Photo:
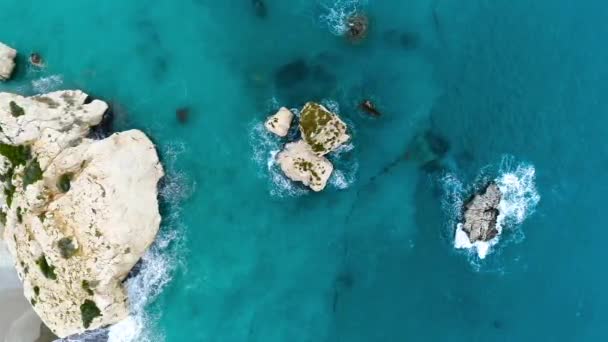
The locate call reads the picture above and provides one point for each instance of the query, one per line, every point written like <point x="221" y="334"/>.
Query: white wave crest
<point x="519" y="195"/>
<point x="335" y="15"/>
<point x="47" y="84"/>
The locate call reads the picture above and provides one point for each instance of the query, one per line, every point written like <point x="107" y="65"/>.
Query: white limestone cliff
<point x="78" y="213"/>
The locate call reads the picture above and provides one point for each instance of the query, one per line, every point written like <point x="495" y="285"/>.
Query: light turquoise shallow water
<point x="245" y="256"/>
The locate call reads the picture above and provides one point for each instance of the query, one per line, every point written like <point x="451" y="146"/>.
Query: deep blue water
<point x="245" y="256"/>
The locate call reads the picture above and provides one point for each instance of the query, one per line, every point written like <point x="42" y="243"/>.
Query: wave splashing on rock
<point x="519" y="198"/>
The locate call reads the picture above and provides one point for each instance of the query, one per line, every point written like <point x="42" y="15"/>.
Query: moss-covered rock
<point x="322" y="130"/>
<point x="89" y="311"/>
<point x="16" y="110"/>
<point x="47" y="270"/>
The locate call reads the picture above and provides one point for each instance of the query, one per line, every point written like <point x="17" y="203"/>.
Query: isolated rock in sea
<point x="321" y="129"/>
<point x="301" y="164"/>
<point x="7" y="61"/>
<point x="280" y="122"/>
<point x="76" y="213"/>
<point x="357" y="27"/>
<point x="481" y="214"/>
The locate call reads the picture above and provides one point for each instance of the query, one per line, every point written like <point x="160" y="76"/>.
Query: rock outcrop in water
<point x="357" y="27"/>
<point x="280" y="122"/>
<point x="322" y="132"/>
<point x="76" y="214"/>
<point x="7" y="61"/>
<point x="322" y="129"/>
<point x="481" y="214"/>
<point x="301" y="164"/>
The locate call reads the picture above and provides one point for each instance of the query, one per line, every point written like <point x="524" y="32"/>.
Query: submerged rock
<point x="301" y="164"/>
<point x="369" y="107"/>
<point x="182" y="114"/>
<point x="280" y="122"/>
<point x="481" y="214"/>
<point x="7" y="61"/>
<point x="357" y="27"/>
<point x="77" y="214"/>
<point x="292" y="73"/>
<point x="428" y="149"/>
<point x="259" y="8"/>
<point x="321" y="129"/>
<point x="36" y="60"/>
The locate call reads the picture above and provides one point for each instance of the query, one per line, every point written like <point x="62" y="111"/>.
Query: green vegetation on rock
<point x="32" y="173"/>
<point x="89" y="311"/>
<point x="16" y="110"/>
<point x="66" y="247"/>
<point x="19" y="215"/>
<point x="87" y="287"/>
<point x="16" y="155"/>
<point x="64" y="182"/>
<point x="47" y="270"/>
<point x="36" y="290"/>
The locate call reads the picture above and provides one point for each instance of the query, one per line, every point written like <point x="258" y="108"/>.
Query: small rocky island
<point x="75" y="213"/>
<point x="480" y="224"/>
<point x="321" y="133"/>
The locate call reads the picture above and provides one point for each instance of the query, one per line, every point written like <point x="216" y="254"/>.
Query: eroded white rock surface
<point x="7" y="61"/>
<point x="301" y="164"/>
<point x="280" y="122"/>
<point x="79" y="213"/>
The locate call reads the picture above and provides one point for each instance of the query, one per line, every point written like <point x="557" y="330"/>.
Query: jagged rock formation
<point x="76" y="214"/>
<point x="7" y="61"/>
<point x="481" y="214"/>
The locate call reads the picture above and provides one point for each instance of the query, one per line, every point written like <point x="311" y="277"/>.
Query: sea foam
<point x="335" y="14"/>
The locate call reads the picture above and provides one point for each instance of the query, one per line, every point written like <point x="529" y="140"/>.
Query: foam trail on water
<point x="265" y="147"/>
<point x="335" y="15"/>
<point x="47" y="84"/>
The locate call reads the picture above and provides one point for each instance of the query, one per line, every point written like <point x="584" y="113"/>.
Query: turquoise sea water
<point x="512" y="86"/>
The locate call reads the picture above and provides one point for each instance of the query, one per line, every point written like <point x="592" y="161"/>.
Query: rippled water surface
<point x="506" y="87"/>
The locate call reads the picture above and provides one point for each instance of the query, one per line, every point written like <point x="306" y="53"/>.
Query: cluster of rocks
<point x="321" y="133"/>
<point x="76" y="214"/>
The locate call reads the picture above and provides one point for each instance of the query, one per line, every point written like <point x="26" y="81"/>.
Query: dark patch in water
<point x="292" y="73"/>
<point x="182" y="114"/>
<point x="405" y="40"/>
<point x="497" y="324"/>
<point x="300" y="81"/>
<point x="259" y="8"/>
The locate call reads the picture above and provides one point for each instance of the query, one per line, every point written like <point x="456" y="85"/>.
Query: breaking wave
<point x="335" y="14"/>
